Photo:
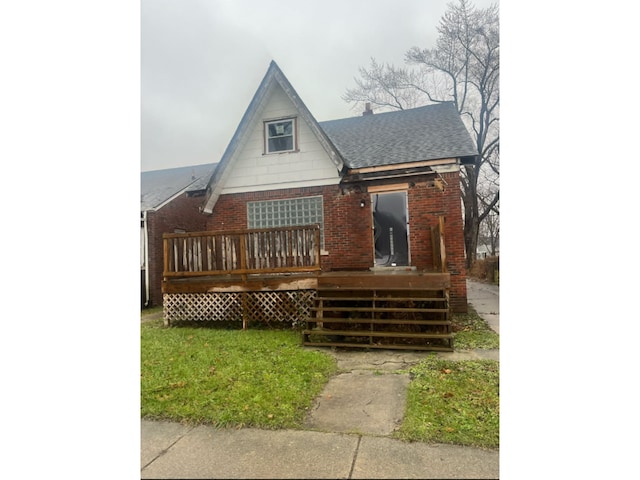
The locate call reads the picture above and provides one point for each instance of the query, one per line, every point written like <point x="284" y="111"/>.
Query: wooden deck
<point x="276" y="277"/>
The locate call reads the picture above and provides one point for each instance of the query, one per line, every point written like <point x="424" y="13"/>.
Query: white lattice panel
<point x="281" y="306"/>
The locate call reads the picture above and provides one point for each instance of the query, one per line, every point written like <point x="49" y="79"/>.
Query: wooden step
<point x="381" y="299"/>
<point x="432" y="348"/>
<point x="379" y="309"/>
<point x="364" y="333"/>
<point x="386" y="282"/>
<point x="381" y="321"/>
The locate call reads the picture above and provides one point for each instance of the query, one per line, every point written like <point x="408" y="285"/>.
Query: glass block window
<point x="286" y="213"/>
<point x="280" y="136"/>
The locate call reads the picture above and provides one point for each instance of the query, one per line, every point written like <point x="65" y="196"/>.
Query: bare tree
<point x="463" y="68"/>
<point x="489" y="225"/>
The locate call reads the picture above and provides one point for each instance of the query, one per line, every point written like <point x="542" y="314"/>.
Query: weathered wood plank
<point x="383" y="299"/>
<point x="434" y="348"/>
<point x="245" y="251"/>
<point x="373" y="333"/>
<point x="204" y="281"/>
<point x="378" y="321"/>
<point x="240" y="271"/>
<point x="380" y="309"/>
<point x="442" y="250"/>
<point x="364" y="281"/>
<point x="302" y="281"/>
<point x="238" y="231"/>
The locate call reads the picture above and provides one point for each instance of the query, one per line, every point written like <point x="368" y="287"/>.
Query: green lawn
<point x="263" y="378"/>
<point x="257" y="378"/>
<point x="453" y="402"/>
<point x="472" y="331"/>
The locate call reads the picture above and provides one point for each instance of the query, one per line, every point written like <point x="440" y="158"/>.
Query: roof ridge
<point x="397" y="112"/>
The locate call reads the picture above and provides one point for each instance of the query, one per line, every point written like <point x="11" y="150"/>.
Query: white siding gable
<point x="253" y="170"/>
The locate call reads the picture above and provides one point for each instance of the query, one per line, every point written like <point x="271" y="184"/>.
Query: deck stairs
<point x="369" y="315"/>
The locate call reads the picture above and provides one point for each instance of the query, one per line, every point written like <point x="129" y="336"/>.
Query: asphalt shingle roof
<point x="425" y="133"/>
<point x="158" y="186"/>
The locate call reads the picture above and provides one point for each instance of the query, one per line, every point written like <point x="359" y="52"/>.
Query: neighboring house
<point x="383" y="188"/>
<point x="169" y="203"/>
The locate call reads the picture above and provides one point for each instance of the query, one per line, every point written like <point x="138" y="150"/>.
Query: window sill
<point x="280" y="153"/>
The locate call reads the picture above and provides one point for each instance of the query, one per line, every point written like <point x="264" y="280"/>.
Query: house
<point x="304" y="212"/>
<point x="168" y="203"/>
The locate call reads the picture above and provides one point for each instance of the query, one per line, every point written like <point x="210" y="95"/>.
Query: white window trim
<point x="294" y="135"/>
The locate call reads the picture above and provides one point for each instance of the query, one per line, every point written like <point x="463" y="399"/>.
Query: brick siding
<point x="348" y="226"/>
<point x="181" y="213"/>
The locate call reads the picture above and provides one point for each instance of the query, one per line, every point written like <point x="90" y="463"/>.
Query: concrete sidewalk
<point x="347" y="433"/>
<point x="172" y="450"/>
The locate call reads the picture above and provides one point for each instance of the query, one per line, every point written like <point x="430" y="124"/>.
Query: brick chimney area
<point x="367" y="109"/>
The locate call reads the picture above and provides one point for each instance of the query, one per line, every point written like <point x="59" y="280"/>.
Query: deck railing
<point x="437" y="245"/>
<point x="242" y="252"/>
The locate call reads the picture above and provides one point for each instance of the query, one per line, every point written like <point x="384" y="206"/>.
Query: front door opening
<point x="390" y="231"/>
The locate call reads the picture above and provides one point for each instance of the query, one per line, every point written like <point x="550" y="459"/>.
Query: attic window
<point x="280" y="136"/>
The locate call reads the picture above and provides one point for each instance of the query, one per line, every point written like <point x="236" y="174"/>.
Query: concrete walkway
<point x="346" y="435"/>
<point x="485" y="299"/>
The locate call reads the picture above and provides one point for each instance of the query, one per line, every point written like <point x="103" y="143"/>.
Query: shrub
<point x="486" y="269"/>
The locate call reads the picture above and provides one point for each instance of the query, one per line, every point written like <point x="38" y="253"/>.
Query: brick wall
<point x="426" y="204"/>
<point x="348" y="226"/>
<point x="181" y="213"/>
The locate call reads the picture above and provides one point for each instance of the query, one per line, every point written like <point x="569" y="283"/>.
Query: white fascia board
<point x="325" y="142"/>
<point x="310" y="120"/>
<point x="446" y="168"/>
<point x="282" y="186"/>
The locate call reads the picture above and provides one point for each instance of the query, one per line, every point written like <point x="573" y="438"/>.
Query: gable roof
<point x="157" y="187"/>
<point x="273" y="76"/>
<point x="431" y="132"/>
<point x="428" y="133"/>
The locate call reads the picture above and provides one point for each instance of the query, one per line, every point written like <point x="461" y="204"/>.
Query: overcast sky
<point x="202" y="61"/>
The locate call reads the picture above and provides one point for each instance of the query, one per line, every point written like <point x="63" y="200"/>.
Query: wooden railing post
<point x="243" y="255"/>
<point x="317" y="246"/>
<point x="165" y="252"/>
<point x="443" y="253"/>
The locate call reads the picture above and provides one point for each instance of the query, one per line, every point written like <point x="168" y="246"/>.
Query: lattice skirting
<point x="280" y="306"/>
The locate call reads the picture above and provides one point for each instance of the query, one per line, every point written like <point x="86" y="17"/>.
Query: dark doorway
<point x="390" y="229"/>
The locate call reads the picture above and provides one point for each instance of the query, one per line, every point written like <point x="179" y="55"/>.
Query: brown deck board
<point x="322" y="281"/>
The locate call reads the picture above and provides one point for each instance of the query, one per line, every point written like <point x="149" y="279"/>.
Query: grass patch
<point x="472" y="331"/>
<point x="453" y="402"/>
<point x="229" y="378"/>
